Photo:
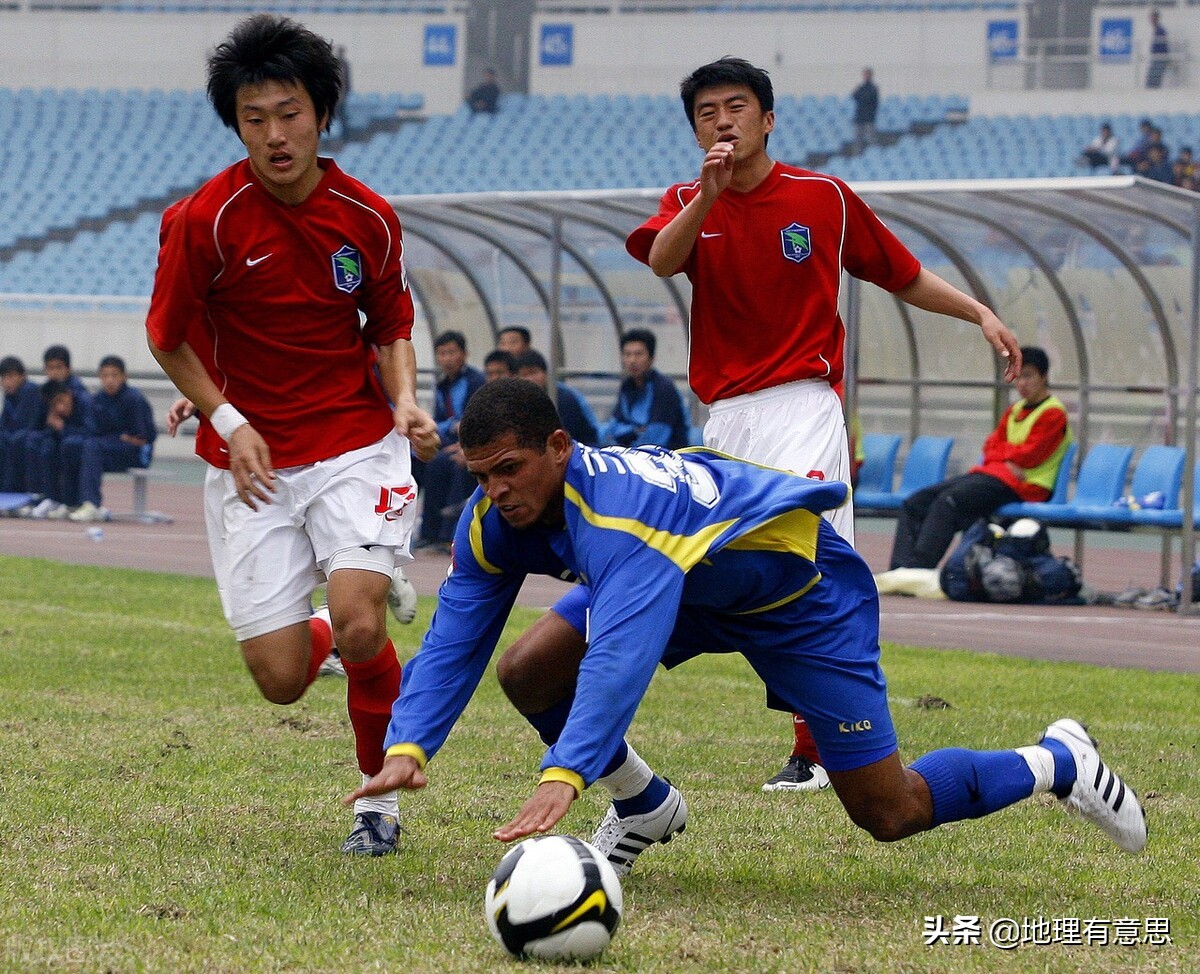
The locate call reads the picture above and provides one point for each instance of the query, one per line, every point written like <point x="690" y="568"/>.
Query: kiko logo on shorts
<point x="393" y="501"/>
<point x="347" y="269"/>
<point x="797" y="242"/>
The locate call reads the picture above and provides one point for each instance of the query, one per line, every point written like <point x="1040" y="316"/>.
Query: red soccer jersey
<point x="269" y="297"/>
<point x="766" y="270"/>
<point x="1043" y="439"/>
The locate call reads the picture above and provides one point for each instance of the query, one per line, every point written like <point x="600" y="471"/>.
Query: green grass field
<point x="157" y="815"/>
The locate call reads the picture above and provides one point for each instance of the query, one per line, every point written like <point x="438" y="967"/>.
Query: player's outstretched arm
<point x="930" y="293"/>
<point x="540" y="813"/>
<point x="398" y="771"/>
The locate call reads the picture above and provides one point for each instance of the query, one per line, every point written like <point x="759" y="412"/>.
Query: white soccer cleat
<point x="799" y="774"/>
<point x="622" y="840"/>
<point x="1099" y="795"/>
<point x="402" y="598"/>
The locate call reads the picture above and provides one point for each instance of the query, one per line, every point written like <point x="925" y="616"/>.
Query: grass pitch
<point x="157" y="815"/>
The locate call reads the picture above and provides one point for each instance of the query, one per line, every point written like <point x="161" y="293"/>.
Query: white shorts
<point x="799" y="426"/>
<point x="354" y="510"/>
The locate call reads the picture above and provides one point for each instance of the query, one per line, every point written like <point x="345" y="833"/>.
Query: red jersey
<point x="766" y="270"/>
<point x="269" y="295"/>
<point x="1043" y="439"/>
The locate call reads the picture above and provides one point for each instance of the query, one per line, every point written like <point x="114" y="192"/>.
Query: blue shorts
<point x="818" y="655"/>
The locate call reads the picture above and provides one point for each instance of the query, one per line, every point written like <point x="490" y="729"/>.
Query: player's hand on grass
<point x="250" y="464"/>
<point x="398" y="771"/>
<point x="418" y="426"/>
<point x="1004" y="342"/>
<point x="540" y="813"/>
<point x="180" y="411"/>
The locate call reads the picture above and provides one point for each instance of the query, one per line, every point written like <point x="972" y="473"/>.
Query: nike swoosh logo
<point x="706" y="236"/>
<point x="257" y="260"/>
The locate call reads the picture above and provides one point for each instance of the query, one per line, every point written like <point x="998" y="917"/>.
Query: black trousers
<point x="930" y="518"/>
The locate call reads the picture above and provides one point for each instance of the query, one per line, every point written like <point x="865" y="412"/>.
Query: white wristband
<point x="225" y="419"/>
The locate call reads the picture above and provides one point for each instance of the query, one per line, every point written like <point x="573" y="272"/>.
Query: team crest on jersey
<point x="797" y="242"/>
<point x="347" y="269"/>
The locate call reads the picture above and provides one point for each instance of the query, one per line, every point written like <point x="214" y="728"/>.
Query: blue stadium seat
<point x="879" y="463"/>
<point x="925" y="464"/>
<point x="1100" y="482"/>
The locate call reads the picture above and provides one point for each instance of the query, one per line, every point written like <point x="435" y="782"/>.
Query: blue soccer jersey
<point x="682" y="553"/>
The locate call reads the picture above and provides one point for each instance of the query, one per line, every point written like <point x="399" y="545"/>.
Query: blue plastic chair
<point x="925" y="464"/>
<point x="1101" y="481"/>
<point x="1160" y="469"/>
<point x="878" y="471"/>
<point x="1059" y="496"/>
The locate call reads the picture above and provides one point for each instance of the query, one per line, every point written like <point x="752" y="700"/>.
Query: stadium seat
<point x="1100" y="482"/>
<point x="879" y="462"/>
<point x="1058" y="495"/>
<point x="925" y="464"/>
<point x="1160" y="470"/>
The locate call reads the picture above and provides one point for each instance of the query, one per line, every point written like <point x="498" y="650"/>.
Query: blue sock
<point x="1064" y="767"/>
<point x="970" y="784"/>
<point x="653" y="795"/>
<point x="549" y="723"/>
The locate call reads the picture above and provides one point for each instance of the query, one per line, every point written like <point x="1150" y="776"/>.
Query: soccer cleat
<point x="1159" y="598"/>
<point x="622" y="840"/>
<point x="374" y="834"/>
<point x="1099" y="795"/>
<point x="799" y="774"/>
<point x="332" y="666"/>
<point x="402" y="598"/>
<point x="88" y="512"/>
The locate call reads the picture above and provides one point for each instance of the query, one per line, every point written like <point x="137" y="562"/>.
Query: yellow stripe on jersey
<point x="475" y="532"/>
<point x="685" y="550"/>
<point x="783" y="601"/>
<point x="793" y="532"/>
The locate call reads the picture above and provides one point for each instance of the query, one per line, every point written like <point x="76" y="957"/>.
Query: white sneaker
<point x="622" y="840"/>
<point x="402" y="598"/>
<point x="59" y="512"/>
<point x="43" y="508"/>
<point x="332" y="667"/>
<point x="799" y="774"/>
<point x="88" y="512"/>
<point x="1099" y="795"/>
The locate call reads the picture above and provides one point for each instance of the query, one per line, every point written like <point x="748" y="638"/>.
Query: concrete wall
<point x="93" y="50"/>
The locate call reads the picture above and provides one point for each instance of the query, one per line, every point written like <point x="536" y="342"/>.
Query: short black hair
<point x="643" y="335"/>
<point x="266" y="47"/>
<point x="57" y="353"/>
<point x="532" y="359"/>
<point x="53" y="388"/>
<point x="525" y="333"/>
<point x="505" y="406"/>
<point x="499" y="355"/>
<point x="726" y="71"/>
<point x="1037" y="357"/>
<point x="10" y="365"/>
<point x="114" y="360"/>
<point x="446" y="337"/>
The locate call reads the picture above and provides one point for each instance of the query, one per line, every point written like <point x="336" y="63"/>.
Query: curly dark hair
<point x="270" y="48"/>
<point x="504" y="406"/>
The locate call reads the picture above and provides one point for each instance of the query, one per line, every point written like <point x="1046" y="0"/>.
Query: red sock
<point x="806" y="747"/>
<point x="372" y="689"/>
<point x="322" y="643"/>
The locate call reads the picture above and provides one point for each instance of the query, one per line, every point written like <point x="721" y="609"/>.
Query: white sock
<point x="387" y="803"/>
<point x="630" y="779"/>
<point x="1041" y="763"/>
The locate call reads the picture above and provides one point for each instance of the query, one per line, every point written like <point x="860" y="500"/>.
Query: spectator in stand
<point x="123" y="437"/>
<point x="56" y="365"/>
<point x="68" y="423"/>
<point x="1140" y="147"/>
<point x="576" y="415"/>
<point x="484" y="97"/>
<point x="444" y="481"/>
<point x="499" y="364"/>
<point x="649" y="408"/>
<point x="1157" y="166"/>
<point x="1183" y="170"/>
<point x="1020" y="462"/>
<point x="23" y="415"/>
<point x="1159" y="49"/>
<point x="515" y="340"/>
<point x="1103" y="151"/>
<point x="866" y="107"/>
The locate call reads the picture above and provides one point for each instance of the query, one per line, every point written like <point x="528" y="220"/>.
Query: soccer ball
<point x="554" y="898"/>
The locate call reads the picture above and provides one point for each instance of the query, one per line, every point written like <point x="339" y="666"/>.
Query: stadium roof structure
<point x="1103" y="272"/>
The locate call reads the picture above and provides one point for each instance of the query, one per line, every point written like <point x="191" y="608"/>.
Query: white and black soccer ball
<point x="554" y="897"/>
